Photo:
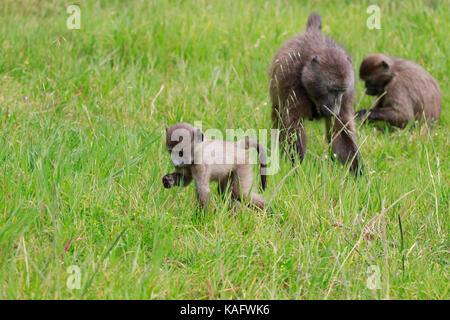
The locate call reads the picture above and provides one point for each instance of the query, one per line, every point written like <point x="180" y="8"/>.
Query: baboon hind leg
<point x="241" y="187"/>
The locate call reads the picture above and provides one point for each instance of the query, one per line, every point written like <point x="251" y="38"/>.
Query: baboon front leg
<point x="344" y="145"/>
<point x="394" y="117"/>
<point x="203" y="194"/>
<point x="203" y="191"/>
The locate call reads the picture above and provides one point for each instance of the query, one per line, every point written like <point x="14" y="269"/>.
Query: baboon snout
<point x="179" y="160"/>
<point x="331" y="106"/>
<point x="179" y="164"/>
<point x="330" y="110"/>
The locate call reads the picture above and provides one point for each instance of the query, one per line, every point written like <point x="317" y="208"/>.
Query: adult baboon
<point x="312" y="78"/>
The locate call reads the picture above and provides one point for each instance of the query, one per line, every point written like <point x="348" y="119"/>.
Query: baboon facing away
<point x="203" y="161"/>
<point x="406" y="91"/>
<point x="312" y="78"/>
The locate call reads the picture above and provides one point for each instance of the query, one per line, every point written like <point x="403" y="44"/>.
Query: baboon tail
<point x="314" y="22"/>
<point x="254" y="143"/>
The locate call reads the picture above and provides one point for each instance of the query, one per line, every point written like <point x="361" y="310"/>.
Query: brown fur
<point x="312" y="78"/>
<point x="409" y="91"/>
<point x="213" y="160"/>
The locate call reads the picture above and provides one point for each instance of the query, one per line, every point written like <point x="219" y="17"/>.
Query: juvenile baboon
<point x="312" y="78"/>
<point x="203" y="161"/>
<point x="407" y="91"/>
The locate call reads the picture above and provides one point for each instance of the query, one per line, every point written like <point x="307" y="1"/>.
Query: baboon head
<point x="376" y="72"/>
<point x="181" y="139"/>
<point x="326" y="78"/>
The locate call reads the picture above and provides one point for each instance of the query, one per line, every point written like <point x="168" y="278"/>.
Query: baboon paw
<point x="361" y="113"/>
<point x="168" y="181"/>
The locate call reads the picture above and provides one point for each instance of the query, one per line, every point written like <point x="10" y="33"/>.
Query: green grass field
<point x="82" y="155"/>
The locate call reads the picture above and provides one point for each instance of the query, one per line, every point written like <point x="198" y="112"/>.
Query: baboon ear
<point x="315" y="59"/>
<point x="198" y="135"/>
<point x="385" y="65"/>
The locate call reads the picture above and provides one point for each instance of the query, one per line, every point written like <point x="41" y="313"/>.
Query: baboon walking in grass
<point x="203" y="161"/>
<point x="312" y="78"/>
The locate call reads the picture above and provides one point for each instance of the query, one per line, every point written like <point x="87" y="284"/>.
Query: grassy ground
<point x="82" y="156"/>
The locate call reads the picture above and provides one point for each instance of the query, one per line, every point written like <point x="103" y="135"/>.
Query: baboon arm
<point x="176" y="179"/>
<point x="393" y="116"/>
<point x="344" y="145"/>
<point x="203" y="191"/>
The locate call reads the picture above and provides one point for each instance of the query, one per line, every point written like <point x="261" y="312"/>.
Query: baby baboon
<point x="408" y="91"/>
<point x="312" y="78"/>
<point x="204" y="161"/>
